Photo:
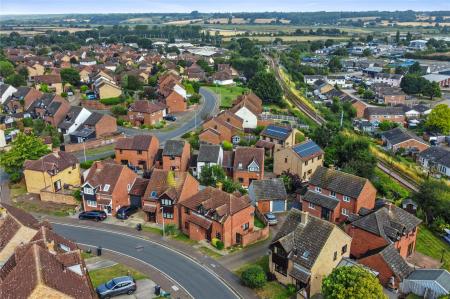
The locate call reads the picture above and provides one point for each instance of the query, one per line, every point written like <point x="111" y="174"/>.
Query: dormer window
<point x="253" y="167"/>
<point x="106" y="187"/>
<point x="318" y="190"/>
<point x="240" y="165"/>
<point x="89" y="191"/>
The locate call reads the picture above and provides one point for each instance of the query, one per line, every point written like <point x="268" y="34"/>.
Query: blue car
<point x="117" y="286"/>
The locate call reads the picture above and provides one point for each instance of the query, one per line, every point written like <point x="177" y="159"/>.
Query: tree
<point x="367" y="52"/>
<point x="15" y="80"/>
<point x="227" y="146"/>
<point x="6" y="68"/>
<point x="415" y="68"/>
<point x="24" y="147"/>
<point x="71" y="76"/>
<point x="352" y="282"/>
<point x="119" y="110"/>
<point x="144" y="43"/>
<point x="254" y="277"/>
<point x="335" y="64"/>
<point x="433" y="199"/>
<point x="432" y="89"/>
<point x="439" y="119"/>
<point x="386" y="125"/>
<point x="211" y="175"/>
<point x="133" y="82"/>
<point x="397" y="37"/>
<point x="265" y="85"/>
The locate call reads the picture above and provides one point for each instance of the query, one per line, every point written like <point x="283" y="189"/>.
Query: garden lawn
<point x="430" y="244"/>
<point x="227" y="94"/>
<point x="258" y="223"/>
<point x="17" y="189"/>
<point x="100" y="276"/>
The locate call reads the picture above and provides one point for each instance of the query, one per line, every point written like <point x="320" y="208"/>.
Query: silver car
<point x="117" y="286"/>
<point x="271" y="218"/>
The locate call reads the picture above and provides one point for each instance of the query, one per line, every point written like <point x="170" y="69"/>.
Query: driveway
<point x="209" y="108"/>
<point x="195" y="278"/>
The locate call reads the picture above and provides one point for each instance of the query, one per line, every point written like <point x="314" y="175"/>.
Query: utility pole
<point x="342" y="117"/>
<point x="84" y="150"/>
<point x="164" y="233"/>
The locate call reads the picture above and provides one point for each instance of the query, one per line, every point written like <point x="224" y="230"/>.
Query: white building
<point x="418" y="44"/>
<point x="208" y="155"/>
<point x="2" y="138"/>
<point x="6" y="91"/>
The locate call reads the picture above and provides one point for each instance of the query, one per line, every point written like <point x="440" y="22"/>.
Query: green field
<point x="227" y="94"/>
<point x="103" y="275"/>
<point x="431" y="245"/>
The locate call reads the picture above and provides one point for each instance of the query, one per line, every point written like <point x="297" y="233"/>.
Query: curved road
<point x="209" y="107"/>
<point x="198" y="281"/>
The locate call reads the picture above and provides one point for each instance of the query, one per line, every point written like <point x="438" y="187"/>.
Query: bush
<point x="15" y="177"/>
<point x="214" y="242"/>
<point x="120" y="121"/>
<point x="254" y="277"/>
<point x="77" y="195"/>
<point x="171" y="230"/>
<point x="227" y="146"/>
<point x="220" y="245"/>
<point x="87" y="164"/>
<point x="112" y="101"/>
<point x="119" y="110"/>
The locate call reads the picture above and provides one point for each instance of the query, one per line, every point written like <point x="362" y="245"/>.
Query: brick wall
<point x="412" y="143"/>
<point x="75" y="147"/>
<point x="105" y="126"/>
<point x="363" y="241"/>
<point x="366" y="198"/>
<point x="209" y="137"/>
<point x="94" y="105"/>
<point x="255" y="235"/>
<point x="58" y="197"/>
<point x="176" y="103"/>
<point x="377" y="263"/>
<point x="133" y="157"/>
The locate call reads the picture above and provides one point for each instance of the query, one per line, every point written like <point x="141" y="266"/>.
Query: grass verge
<point x="227" y="94"/>
<point x="429" y="244"/>
<point x="17" y="189"/>
<point x="100" y="276"/>
<point x="58" y="210"/>
<point x="210" y="252"/>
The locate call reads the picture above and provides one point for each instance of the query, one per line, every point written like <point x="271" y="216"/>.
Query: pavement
<point x="145" y="289"/>
<point x="208" y="108"/>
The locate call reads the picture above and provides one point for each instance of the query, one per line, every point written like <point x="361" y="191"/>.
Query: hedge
<point x="112" y="101"/>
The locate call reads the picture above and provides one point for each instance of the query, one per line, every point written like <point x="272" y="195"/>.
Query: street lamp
<point x="162" y="211"/>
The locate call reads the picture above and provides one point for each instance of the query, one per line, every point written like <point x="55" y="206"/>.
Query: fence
<point x="286" y="118"/>
<point x="62" y="196"/>
<point x="76" y="147"/>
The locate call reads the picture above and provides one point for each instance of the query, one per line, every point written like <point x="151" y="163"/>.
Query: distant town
<point x="245" y="155"/>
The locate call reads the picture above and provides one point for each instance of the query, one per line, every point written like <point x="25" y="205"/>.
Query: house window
<point x="319" y="157"/>
<point x="186" y="225"/>
<point x="245" y="226"/>
<point x="344" y="249"/>
<point x="335" y="256"/>
<point x="187" y="211"/>
<point x="139" y="152"/>
<point x="166" y="202"/>
<point x="344" y="212"/>
<point x="346" y="198"/>
<point x="306" y="163"/>
<point x="240" y="165"/>
<point x="312" y="206"/>
<point x="91" y="203"/>
<point x="218" y="236"/>
<point x="280" y="269"/>
<point x="253" y="169"/>
<point x="168" y="215"/>
<point x="121" y="151"/>
<point x="285" y="160"/>
<point x="318" y="189"/>
<point x="333" y="194"/>
<point x="89" y="191"/>
<point x="241" y="180"/>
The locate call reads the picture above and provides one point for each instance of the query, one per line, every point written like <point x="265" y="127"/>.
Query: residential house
<point x="416" y="111"/>
<point x="208" y="155"/>
<point x="74" y="118"/>
<point x="305" y="250"/>
<point x="248" y="165"/>
<point x="427" y="283"/>
<point x="398" y="138"/>
<point x="388" y="95"/>
<point x="442" y="79"/>
<point x="6" y="91"/>
<point x="213" y="213"/>
<point x="222" y="78"/>
<point x="333" y="195"/>
<point x="176" y="100"/>
<point x="301" y="159"/>
<point x="176" y="155"/>
<point x="376" y="229"/>
<point x="51" y="108"/>
<point x="165" y="191"/>
<point x="137" y="192"/>
<point x="268" y="195"/>
<point x="377" y="114"/>
<point x="143" y="112"/>
<point x="389" y="79"/>
<point x="16" y="227"/>
<point x="34" y="69"/>
<point x="106" y="89"/>
<point x="195" y="73"/>
<point x="311" y="79"/>
<point x="248" y="107"/>
<point x="52" y="173"/>
<point x="217" y="130"/>
<point x="53" y="82"/>
<point x="49" y="266"/>
<point x="436" y="160"/>
<point x="280" y="136"/>
<point x="21" y="100"/>
<point x="360" y="107"/>
<point x="106" y="186"/>
<point x="95" y="126"/>
<point x="137" y="151"/>
<point x="336" y="80"/>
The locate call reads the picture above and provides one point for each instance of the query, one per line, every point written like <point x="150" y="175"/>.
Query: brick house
<point x="165" y="191"/>
<point x="175" y="102"/>
<point x="25" y="95"/>
<point x="333" y="195"/>
<point x="195" y="73"/>
<point x="280" y="136"/>
<point x="301" y="159"/>
<point x="248" y="165"/>
<point x="143" y="112"/>
<point x="53" y="81"/>
<point x="216" y="130"/>
<point x="360" y="107"/>
<point x="268" y="195"/>
<point x="106" y="187"/>
<point x="388" y="95"/>
<point x="213" y="213"/>
<point x="397" y="138"/>
<point x="95" y="126"/>
<point x="305" y="250"/>
<point x="176" y="155"/>
<point x="389" y="264"/>
<point x="49" y="107"/>
<point x="377" y="114"/>
<point x="376" y="229"/>
<point x="139" y="150"/>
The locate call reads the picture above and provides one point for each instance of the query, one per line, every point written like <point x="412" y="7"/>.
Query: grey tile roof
<point x="93" y="119"/>
<point x="384" y="111"/>
<point x="303" y="242"/>
<point x="269" y="189"/>
<point x="173" y="148"/>
<point x="208" y="153"/>
<point x="395" y="261"/>
<point x="53" y="108"/>
<point x="137" y="143"/>
<point x="398" y="135"/>
<point x="437" y="155"/>
<point x="388" y="222"/>
<point x="70" y="118"/>
<point x="321" y="200"/>
<point x="338" y="181"/>
<point x="440" y="276"/>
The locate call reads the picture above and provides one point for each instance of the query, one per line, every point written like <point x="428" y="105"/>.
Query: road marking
<point x="141" y="261"/>
<point x="224" y="282"/>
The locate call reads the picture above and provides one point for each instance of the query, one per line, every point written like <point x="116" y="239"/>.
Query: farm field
<point x="290" y="38"/>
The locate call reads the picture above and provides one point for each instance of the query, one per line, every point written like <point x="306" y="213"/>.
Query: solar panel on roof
<point x="277" y="131"/>
<point x="306" y="149"/>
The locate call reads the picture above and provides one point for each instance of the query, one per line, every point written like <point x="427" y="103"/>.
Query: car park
<point x="93" y="215"/>
<point x="125" y="212"/>
<point x="170" y="117"/>
<point x="117" y="286"/>
<point x="271" y="218"/>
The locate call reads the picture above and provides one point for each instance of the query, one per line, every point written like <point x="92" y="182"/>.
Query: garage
<point x="278" y="206"/>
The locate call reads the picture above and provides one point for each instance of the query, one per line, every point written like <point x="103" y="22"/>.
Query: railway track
<point x="404" y="181"/>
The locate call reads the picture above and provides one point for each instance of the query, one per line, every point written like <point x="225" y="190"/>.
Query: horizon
<point x="63" y="7"/>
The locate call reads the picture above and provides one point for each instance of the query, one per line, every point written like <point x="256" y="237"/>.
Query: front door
<point x="238" y="238"/>
<point x="151" y="217"/>
<point x="325" y="214"/>
<point x="410" y="248"/>
<point x="108" y="209"/>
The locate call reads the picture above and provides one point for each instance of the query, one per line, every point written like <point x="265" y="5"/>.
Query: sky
<point x="140" y="6"/>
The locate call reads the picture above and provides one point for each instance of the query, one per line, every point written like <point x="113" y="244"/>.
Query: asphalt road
<point x="209" y="107"/>
<point x="199" y="282"/>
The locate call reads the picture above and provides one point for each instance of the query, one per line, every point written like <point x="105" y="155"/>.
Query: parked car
<point x="93" y="215"/>
<point x="125" y="212"/>
<point x="271" y="218"/>
<point x="170" y="117"/>
<point x="117" y="286"/>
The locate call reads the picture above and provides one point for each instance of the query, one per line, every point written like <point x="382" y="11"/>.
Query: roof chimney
<point x="304" y="220"/>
